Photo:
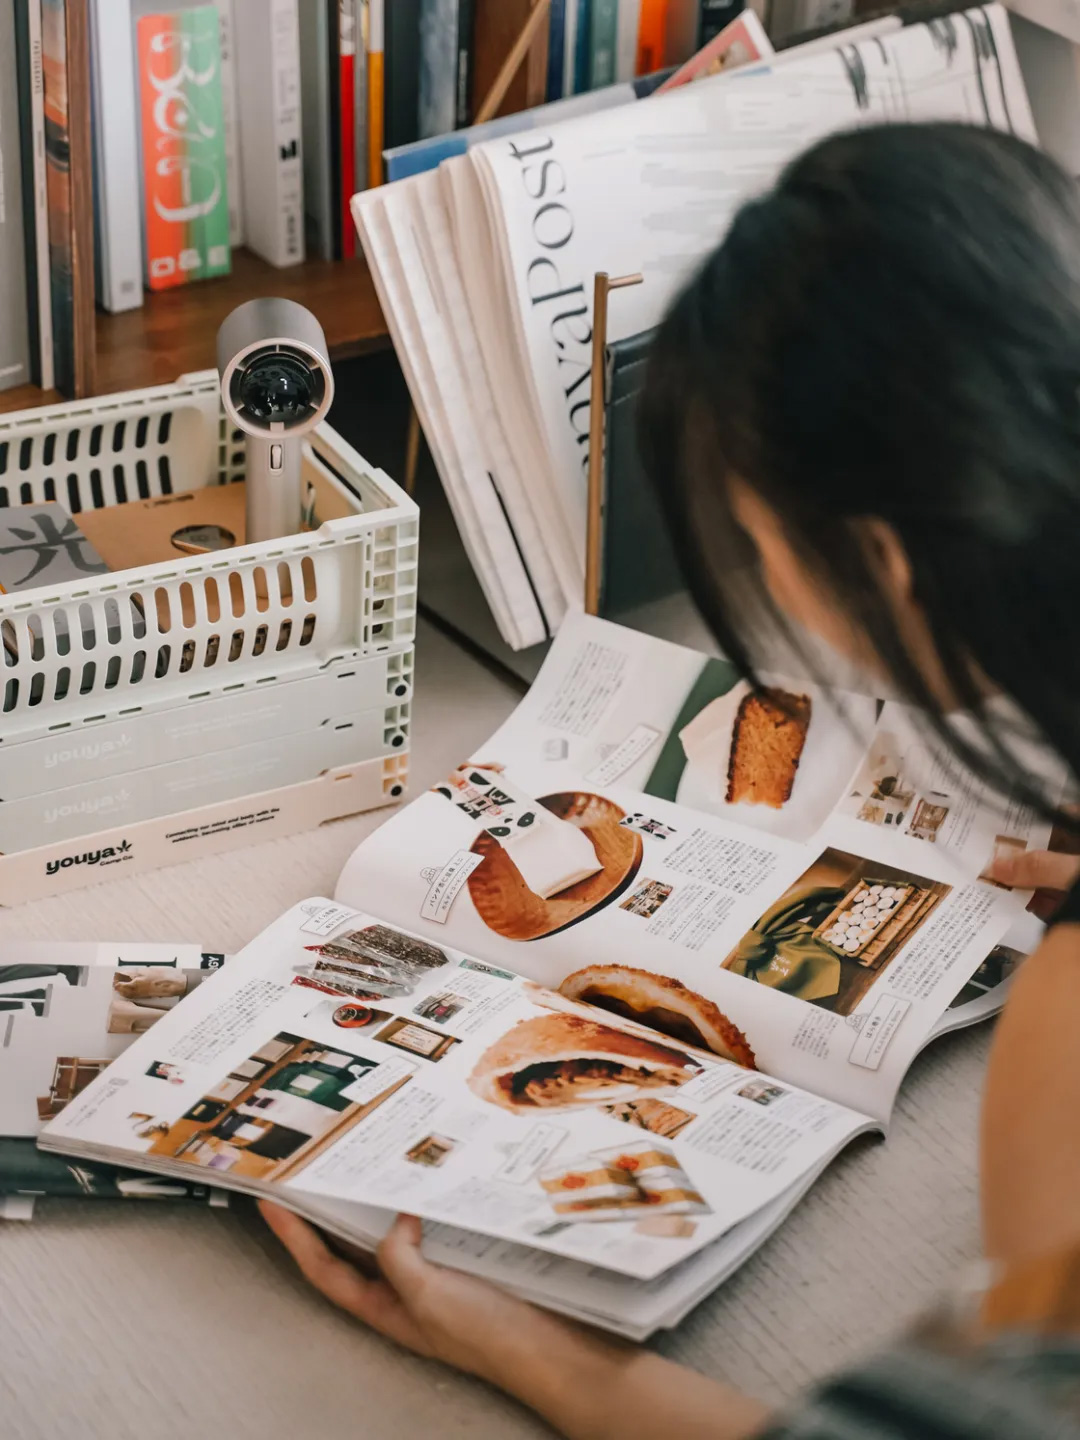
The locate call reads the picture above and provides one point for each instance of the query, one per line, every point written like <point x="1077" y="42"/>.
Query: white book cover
<point x="43" y="298"/>
<point x="117" y="211"/>
<point x="627" y="38"/>
<point x="267" y="56"/>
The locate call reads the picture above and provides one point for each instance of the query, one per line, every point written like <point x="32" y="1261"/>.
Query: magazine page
<point x="615" y="706"/>
<point x="339" y="1057"/>
<point x="651" y="188"/>
<point x="67" y="1010"/>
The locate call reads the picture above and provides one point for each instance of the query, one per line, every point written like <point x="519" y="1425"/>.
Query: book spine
<point x="14" y="321"/>
<point x="231" y="111"/>
<point x="331" y="119"/>
<point x="81" y="217"/>
<point x="605" y="31"/>
<point x="360" y="74"/>
<point x="402" y="72"/>
<point x="185" y="184"/>
<point x="652" y="27"/>
<point x="117" y="232"/>
<point x="556" y="51"/>
<point x="318" y="54"/>
<point x="715" y="15"/>
<point x="271" y="147"/>
<point x="570" y="33"/>
<point x="437" y="98"/>
<point x="376" y="91"/>
<point x="466" y="36"/>
<point x="626" y="50"/>
<point x="347" y="122"/>
<point x="583" y="46"/>
<point x="35" y="193"/>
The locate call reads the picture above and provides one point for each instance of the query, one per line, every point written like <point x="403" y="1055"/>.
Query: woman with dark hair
<point x="863" y="418"/>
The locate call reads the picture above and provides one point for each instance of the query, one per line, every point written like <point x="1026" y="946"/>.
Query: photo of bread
<point x="558" y="1061"/>
<point x="656" y="1116"/>
<point x="503" y="899"/>
<point x="766" y="745"/>
<point x="662" y="1004"/>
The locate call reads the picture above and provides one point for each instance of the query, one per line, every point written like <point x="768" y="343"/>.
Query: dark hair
<point x="893" y="331"/>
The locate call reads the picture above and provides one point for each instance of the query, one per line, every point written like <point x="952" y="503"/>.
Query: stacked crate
<point x="153" y="714"/>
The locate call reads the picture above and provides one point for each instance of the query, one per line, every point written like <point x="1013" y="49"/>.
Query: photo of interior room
<point x="276" y="1110"/>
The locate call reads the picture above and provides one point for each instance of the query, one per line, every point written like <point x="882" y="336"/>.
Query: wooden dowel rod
<point x="522" y="45"/>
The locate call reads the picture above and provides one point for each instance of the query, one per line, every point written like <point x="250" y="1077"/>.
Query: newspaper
<point x="485" y="268"/>
<point x="602" y="1004"/>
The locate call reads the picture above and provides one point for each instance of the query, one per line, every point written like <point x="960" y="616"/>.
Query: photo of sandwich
<point x="500" y="888"/>
<point x="558" y="1061"/>
<point x="662" y="1004"/>
<point x="619" y="1184"/>
<point x="656" y="1116"/>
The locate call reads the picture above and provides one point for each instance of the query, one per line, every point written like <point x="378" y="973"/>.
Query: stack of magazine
<point x="603" y="1004"/>
<point x="67" y="1010"/>
<point x="485" y="266"/>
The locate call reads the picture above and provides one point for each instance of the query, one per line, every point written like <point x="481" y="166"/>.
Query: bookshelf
<point x="173" y="331"/>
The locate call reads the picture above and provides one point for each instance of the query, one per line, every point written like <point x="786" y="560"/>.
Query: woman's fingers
<point x="399" y="1255"/>
<point x="372" y="1301"/>
<point x="1038" y="870"/>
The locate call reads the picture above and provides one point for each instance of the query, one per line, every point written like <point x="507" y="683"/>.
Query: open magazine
<point x="604" y="1003"/>
<point x="67" y="1010"/>
<point x="485" y="267"/>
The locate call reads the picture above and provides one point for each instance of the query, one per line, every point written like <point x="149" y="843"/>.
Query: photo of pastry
<point x="142" y="994"/>
<point x="836" y="930"/>
<point x="662" y="1004"/>
<point x="618" y="1184"/>
<point x="647" y="899"/>
<point x="375" y="963"/>
<point x="656" y="1116"/>
<point x="358" y="1017"/>
<point x="558" y="1061"/>
<point x="506" y="889"/>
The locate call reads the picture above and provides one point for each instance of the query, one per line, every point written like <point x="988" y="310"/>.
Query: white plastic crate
<point x="74" y="652"/>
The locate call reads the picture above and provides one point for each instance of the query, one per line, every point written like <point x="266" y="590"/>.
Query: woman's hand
<point x="587" y="1387"/>
<point x="1048" y="872"/>
<point x="427" y="1308"/>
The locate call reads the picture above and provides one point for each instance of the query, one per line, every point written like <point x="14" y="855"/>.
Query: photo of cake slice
<point x="766" y="744"/>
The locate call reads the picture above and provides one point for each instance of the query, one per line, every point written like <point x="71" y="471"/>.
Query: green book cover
<point x="605" y="35"/>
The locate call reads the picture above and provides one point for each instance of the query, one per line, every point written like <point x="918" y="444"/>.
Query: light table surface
<point x="145" y="1321"/>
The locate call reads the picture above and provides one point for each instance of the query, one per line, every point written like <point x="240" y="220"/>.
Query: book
<point x="603" y="1004"/>
<point x="118" y="261"/>
<point x="345" y="60"/>
<point x="438" y="67"/>
<point x="603" y="41"/>
<point x="626" y="53"/>
<point x="376" y="91"/>
<point x="27" y="1174"/>
<point x="35" y="191"/>
<point x="15" y="353"/>
<point x="318" y="110"/>
<point x="267" y="63"/>
<point x="360" y="116"/>
<point x="66" y="1011"/>
<point x="741" y="42"/>
<point x="570" y="33"/>
<point x="69" y="187"/>
<point x="556" y="52"/>
<point x="583" y="46"/>
<point x="425" y="155"/>
<point x="652" y="41"/>
<point x="402" y="97"/>
<point x="230" y="110"/>
<point x="184" y="174"/>
<point x="485" y="270"/>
